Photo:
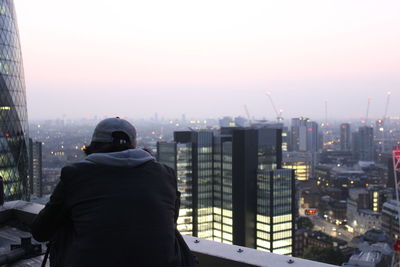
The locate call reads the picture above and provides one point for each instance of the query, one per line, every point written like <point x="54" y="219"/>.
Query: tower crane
<point x="381" y="124"/>
<point x="279" y="117"/>
<point x="247" y="114"/>
<point x="326" y="112"/>
<point x="327" y="132"/>
<point x="367" y="114"/>
<point x="387" y="104"/>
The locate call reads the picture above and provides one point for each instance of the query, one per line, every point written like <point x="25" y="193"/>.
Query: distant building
<point x="333" y="210"/>
<point x="374" y="249"/>
<point x="341" y="158"/>
<point x="364" y="208"/>
<point x="380" y="135"/>
<point x="35" y="168"/>
<point x="345" y="135"/>
<point x="301" y="162"/>
<point x="376" y="255"/>
<point x="378" y="196"/>
<point x="50" y="178"/>
<point x="390" y="219"/>
<point x="340" y="177"/>
<point x="363" y="144"/>
<point x="227" y="122"/>
<point x="304" y="135"/>
<point x="233" y="188"/>
<point x="308" y="238"/>
<point x="241" y="122"/>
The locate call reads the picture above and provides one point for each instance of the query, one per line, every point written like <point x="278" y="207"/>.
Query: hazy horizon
<point x="210" y="58"/>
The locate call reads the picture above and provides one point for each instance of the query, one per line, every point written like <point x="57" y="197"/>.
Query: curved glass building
<point x="13" y="112"/>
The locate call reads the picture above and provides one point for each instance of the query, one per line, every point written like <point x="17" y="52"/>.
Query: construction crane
<point x="367" y="114"/>
<point x="326" y="112"/>
<point x="387" y="104"/>
<point x="247" y="114"/>
<point x="327" y="133"/>
<point x="381" y="136"/>
<point x="279" y="117"/>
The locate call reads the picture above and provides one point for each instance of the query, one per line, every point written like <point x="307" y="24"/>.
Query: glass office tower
<point x="190" y="155"/>
<point x="234" y="191"/>
<point x="184" y="172"/>
<point x="223" y="214"/>
<point x="13" y="112"/>
<point x="204" y="184"/>
<point x="253" y="196"/>
<point x="275" y="206"/>
<point x="178" y="156"/>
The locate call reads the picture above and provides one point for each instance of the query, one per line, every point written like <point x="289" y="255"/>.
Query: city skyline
<point x="136" y="58"/>
<point x="265" y="125"/>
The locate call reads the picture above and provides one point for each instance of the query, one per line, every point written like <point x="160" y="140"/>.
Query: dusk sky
<point x="209" y="58"/>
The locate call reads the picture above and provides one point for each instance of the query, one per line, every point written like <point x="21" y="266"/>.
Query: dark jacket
<point x="114" y="209"/>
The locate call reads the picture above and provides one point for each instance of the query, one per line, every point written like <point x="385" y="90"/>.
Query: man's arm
<point x="177" y="205"/>
<point x="52" y="217"/>
<point x="174" y="180"/>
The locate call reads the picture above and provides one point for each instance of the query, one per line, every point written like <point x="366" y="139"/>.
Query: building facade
<point x="13" y="113"/>
<point x="35" y="168"/>
<point x="50" y="179"/>
<point x="309" y="238"/>
<point x="233" y="188"/>
<point x="304" y="135"/>
<point x="190" y="154"/>
<point x="390" y="219"/>
<point x="301" y="162"/>
<point x="363" y="144"/>
<point x="345" y="135"/>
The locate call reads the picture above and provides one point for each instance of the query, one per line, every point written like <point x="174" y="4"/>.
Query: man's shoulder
<point x="73" y="168"/>
<point x="160" y="167"/>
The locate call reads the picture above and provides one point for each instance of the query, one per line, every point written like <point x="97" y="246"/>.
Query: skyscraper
<point x="249" y="199"/>
<point x="304" y="135"/>
<point x="13" y="112"/>
<point x="275" y="211"/>
<point x="35" y="168"/>
<point x="345" y="137"/>
<point x="190" y="154"/>
<point x="363" y="144"/>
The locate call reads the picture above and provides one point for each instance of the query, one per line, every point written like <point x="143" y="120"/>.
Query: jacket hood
<point x="126" y="158"/>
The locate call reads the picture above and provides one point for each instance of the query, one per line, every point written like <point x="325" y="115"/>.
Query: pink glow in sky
<point x="135" y="58"/>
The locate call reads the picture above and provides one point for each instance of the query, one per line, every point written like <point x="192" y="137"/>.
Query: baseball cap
<point x="105" y="129"/>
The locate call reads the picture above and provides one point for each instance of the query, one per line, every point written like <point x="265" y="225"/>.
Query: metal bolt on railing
<point x="290" y="261"/>
<point x="240" y="250"/>
<point x="197" y="241"/>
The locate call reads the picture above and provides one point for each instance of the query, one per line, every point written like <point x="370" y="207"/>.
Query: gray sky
<point x="209" y="58"/>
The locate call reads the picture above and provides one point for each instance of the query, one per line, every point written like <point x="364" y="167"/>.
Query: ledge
<point x="210" y="253"/>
